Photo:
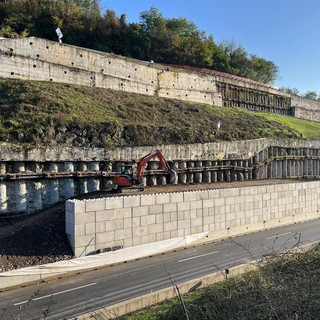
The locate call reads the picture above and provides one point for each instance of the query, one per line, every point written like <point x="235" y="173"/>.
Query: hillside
<point x="40" y="113"/>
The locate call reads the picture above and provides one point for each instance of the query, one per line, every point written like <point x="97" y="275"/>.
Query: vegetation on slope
<point x="40" y="113"/>
<point x="285" y="287"/>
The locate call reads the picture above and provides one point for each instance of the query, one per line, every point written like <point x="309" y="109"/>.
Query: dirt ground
<point x="39" y="238"/>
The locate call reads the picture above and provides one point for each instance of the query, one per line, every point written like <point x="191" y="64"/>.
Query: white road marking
<point x="279" y="235"/>
<point x="55" y="294"/>
<point x="201" y="255"/>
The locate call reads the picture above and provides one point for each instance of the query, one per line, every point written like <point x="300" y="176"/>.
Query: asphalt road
<point x="71" y="296"/>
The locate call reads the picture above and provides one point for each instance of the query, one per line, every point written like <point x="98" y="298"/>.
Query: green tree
<point x="311" y="95"/>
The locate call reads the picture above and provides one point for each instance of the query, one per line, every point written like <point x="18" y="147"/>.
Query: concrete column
<point x="305" y="167"/>
<point x="245" y="164"/>
<point x="284" y="168"/>
<point x="34" y="196"/>
<point x="162" y="180"/>
<point x="198" y="175"/>
<point x="21" y="195"/>
<point x="83" y="186"/>
<point x="36" y="167"/>
<point x="67" y="187"/>
<point x="174" y="167"/>
<point x="53" y="167"/>
<point x="3" y="197"/>
<point x="68" y="166"/>
<point x="234" y="175"/>
<point x="3" y="168"/>
<point x="214" y="173"/>
<point x="19" y="167"/>
<point x="50" y="194"/>
<point x="279" y="168"/>
<point x="220" y="172"/>
<point x="227" y="173"/>
<point x="190" y="175"/>
<point x="83" y="167"/>
<point x="289" y="168"/>
<point x="93" y="184"/>
<point x="144" y="181"/>
<point x="20" y="188"/>
<point x="152" y="180"/>
<point x="94" y="166"/>
<point x="207" y="174"/>
<point x="182" y="176"/>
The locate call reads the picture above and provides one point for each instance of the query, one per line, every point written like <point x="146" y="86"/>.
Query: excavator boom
<point x="128" y="180"/>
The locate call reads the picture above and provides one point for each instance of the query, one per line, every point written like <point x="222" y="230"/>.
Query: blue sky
<point x="283" y="31"/>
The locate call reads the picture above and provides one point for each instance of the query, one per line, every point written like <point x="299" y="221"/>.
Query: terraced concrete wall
<point x="39" y="59"/>
<point x="127" y="221"/>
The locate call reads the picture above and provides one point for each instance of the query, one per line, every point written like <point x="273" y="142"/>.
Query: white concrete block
<point x="203" y="195"/>
<point x="170" y="207"/>
<point x="173" y="216"/>
<point x="155" y="228"/>
<point x="162" y="198"/>
<point x="141" y="231"/>
<point x="105" y="237"/>
<point x="176" y="197"/>
<point x="196" y="222"/>
<point x="84" y="240"/>
<point x="100" y="227"/>
<point x="90" y="228"/>
<point x="148" y="199"/>
<point x="122" y="234"/>
<point x="148" y="239"/>
<point x="209" y="203"/>
<point x="140" y="211"/>
<point x="136" y="222"/>
<point x="182" y="206"/>
<point x="169" y="226"/>
<point x="122" y="213"/>
<point x="159" y="218"/>
<point x="148" y="220"/>
<point x="95" y="205"/>
<point x="127" y="243"/>
<point x="184" y="224"/>
<point x="83" y="218"/>
<point x="129" y="202"/>
<point x="155" y="209"/>
<point x="190" y="196"/>
<point x="127" y="223"/>
<point x="114" y="203"/>
<point x="105" y="215"/>
<point x="213" y="194"/>
<point x="196" y="204"/>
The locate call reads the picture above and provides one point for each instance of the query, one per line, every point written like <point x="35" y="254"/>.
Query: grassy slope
<point x="33" y="112"/>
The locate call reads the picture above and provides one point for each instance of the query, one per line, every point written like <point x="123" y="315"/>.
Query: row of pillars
<point x="29" y="195"/>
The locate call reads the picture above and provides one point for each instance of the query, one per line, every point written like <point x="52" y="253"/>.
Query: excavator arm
<point x="144" y="161"/>
<point x="128" y="180"/>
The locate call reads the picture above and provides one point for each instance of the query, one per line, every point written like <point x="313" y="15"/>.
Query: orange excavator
<point x="129" y="180"/>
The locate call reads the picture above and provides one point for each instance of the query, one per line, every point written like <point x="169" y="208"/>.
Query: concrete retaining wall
<point x="40" y="59"/>
<point x="126" y="221"/>
<point x="31" y="179"/>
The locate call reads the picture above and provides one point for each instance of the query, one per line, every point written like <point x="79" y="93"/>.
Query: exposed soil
<point x="39" y="238"/>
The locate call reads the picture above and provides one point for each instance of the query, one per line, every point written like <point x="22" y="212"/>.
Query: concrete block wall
<point x="127" y="221"/>
<point x="40" y="59"/>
